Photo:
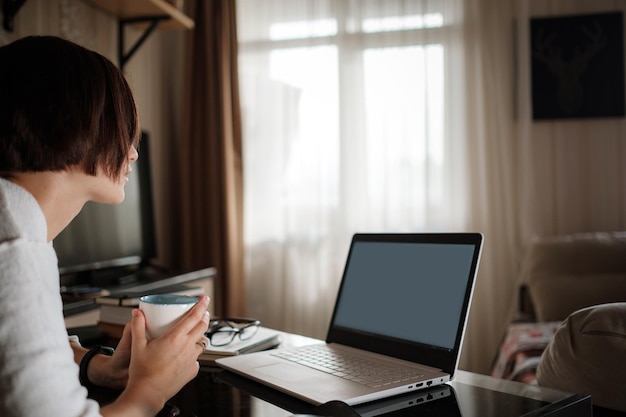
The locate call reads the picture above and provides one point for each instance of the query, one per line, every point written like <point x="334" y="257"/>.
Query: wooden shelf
<point x="144" y="14"/>
<point x="145" y="10"/>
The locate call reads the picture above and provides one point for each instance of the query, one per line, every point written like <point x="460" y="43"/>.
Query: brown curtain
<point x="210" y="160"/>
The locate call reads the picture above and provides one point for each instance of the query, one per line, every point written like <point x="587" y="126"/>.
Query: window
<point x="345" y="129"/>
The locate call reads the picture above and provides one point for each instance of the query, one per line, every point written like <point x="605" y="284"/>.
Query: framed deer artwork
<point x="577" y="66"/>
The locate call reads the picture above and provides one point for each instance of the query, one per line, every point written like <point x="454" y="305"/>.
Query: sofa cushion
<point x="570" y="272"/>
<point x="588" y="356"/>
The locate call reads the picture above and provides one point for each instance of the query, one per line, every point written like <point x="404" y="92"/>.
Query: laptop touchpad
<point x="286" y="372"/>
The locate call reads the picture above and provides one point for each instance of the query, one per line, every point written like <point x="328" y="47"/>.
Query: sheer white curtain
<point x="354" y="117"/>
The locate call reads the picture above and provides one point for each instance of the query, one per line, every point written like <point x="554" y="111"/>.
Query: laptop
<point x="403" y="303"/>
<point x="438" y="400"/>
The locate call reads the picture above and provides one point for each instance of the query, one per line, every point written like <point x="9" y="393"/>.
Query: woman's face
<point x="107" y="190"/>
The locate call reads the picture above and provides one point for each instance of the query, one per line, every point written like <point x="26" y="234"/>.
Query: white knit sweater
<point x="38" y="376"/>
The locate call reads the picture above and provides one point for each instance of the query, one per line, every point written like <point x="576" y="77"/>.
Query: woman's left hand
<point x="112" y="371"/>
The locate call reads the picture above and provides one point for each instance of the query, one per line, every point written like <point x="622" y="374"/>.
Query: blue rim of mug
<point x="168" y="299"/>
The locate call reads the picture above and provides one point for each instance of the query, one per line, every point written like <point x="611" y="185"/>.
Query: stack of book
<point x="116" y="308"/>
<point x="265" y="338"/>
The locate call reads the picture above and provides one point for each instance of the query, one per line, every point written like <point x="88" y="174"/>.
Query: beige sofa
<point x="572" y="331"/>
<point x="566" y="273"/>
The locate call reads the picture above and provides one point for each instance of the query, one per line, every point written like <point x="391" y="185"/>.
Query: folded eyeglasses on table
<point x="223" y="330"/>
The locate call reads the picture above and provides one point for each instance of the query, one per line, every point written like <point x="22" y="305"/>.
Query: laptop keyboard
<point x="367" y="372"/>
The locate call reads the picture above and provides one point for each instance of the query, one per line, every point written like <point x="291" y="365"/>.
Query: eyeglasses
<point x="222" y="331"/>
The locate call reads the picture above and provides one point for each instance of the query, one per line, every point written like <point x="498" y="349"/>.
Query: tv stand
<point x="112" y="276"/>
<point x="142" y="279"/>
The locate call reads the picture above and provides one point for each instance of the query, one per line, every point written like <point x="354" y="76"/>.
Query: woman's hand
<point x="112" y="371"/>
<point x="159" y="368"/>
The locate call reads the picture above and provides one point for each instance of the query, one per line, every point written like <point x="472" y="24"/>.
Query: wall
<point x="154" y="74"/>
<point x="571" y="172"/>
<point x="530" y="178"/>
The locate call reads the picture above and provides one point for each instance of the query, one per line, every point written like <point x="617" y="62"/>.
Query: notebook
<point x="403" y="303"/>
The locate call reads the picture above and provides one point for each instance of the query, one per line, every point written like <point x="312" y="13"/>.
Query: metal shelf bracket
<point x="9" y="10"/>
<point x="152" y="21"/>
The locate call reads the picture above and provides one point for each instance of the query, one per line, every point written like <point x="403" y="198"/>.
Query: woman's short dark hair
<point x="62" y="105"/>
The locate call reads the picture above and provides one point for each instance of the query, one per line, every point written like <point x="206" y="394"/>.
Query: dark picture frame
<point x="577" y="66"/>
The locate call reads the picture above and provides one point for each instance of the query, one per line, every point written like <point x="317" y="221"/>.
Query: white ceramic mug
<point x="162" y="311"/>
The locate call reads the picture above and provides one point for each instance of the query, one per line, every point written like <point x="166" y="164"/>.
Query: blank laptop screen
<point x="410" y="291"/>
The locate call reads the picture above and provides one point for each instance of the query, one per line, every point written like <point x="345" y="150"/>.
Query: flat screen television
<point x="105" y="241"/>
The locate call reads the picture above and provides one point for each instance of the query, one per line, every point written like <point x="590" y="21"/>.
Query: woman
<point x="68" y="130"/>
